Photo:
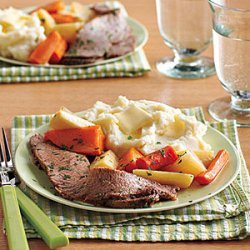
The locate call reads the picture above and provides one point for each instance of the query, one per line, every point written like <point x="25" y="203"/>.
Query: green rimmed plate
<point x="38" y="181"/>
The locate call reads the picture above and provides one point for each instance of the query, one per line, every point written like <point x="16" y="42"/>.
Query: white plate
<point x="139" y="31"/>
<point x="38" y="181"/>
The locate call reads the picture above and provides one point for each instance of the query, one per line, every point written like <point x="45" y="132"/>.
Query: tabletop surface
<point x="45" y="98"/>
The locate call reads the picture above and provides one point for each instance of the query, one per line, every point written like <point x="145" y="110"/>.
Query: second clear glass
<point x="186" y="27"/>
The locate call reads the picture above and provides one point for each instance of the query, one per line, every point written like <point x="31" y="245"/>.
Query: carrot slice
<point x="59" y="18"/>
<point x="43" y="52"/>
<point x="87" y="140"/>
<point x="218" y="163"/>
<point x="59" y="51"/>
<point x="128" y="161"/>
<point x="157" y="159"/>
<point x="54" y="7"/>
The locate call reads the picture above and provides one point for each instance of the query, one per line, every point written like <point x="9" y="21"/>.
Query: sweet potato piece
<point x="54" y="7"/>
<point x="87" y="140"/>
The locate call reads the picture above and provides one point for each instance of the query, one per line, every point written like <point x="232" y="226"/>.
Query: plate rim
<point x="90" y="207"/>
<point x="110" y="60"/>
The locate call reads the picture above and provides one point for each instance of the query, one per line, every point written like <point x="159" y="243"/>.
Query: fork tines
<point x="8" y="158"/>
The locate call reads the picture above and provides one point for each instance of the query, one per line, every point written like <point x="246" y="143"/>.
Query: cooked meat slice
<point x="66" y="170"/>
<point x="105" y="36"/>
<point x="102" y="9"/>
<point x="78" y="60"/>
<point x="113" y="188"/>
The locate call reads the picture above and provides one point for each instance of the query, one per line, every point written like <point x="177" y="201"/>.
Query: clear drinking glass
<point x="231" y="38"/>
<point x="186" y="27"/>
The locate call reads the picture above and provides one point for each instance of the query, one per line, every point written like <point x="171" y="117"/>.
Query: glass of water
<point x="186" y="27"/>
<point x="231" y="38"/>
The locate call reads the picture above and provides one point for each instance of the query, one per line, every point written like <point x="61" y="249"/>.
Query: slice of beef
<point x="105" y="36"/>
<point x="119" y="189"/>
<point x="102" y="9"/>
<point x="66" y="170"/>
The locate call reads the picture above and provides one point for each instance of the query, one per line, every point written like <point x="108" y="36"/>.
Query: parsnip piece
<point x="47" y="20"/>
<point x="204" y="155"/>
<point x="187" y="163"/>
<point x="166" y="178"/>
<point x="133" y="118"/>
<point x="68" y="30"/>
<point x="64" y="119"/>
<point x="106" y="160"/>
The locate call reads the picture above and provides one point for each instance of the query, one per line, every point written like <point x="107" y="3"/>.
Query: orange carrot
<point x="157" y="159"/>
<point x="54" y="7"/>
<point x="87" y="140"/>
<point x="59" y="51"/>
<point x="128" y="160"/>
<point x="218" y="163"/>
<point x="59" y="18"/>
<point x="43" y="52"/>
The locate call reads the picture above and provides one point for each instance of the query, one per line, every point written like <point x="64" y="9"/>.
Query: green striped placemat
<point x="224" y="216"/>
<point x="132" y="65"/>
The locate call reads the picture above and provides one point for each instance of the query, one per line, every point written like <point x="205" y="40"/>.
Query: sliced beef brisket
<point x="66" y="170"/>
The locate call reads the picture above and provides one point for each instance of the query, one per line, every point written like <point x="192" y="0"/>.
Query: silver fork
<point x="13" y="220"/>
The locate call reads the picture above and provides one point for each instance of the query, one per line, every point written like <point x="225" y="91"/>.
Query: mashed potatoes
<point x="19" y="34"/>
<point x="146" y="125"/>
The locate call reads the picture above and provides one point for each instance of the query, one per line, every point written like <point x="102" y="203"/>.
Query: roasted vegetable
<point x="43" y="52"/>
<point x="219" y="162"/>
<point x="105" y="160"/>
<point x="60" y="18"/>
<point x="59" y="52"/>
<point x="128" y="161"/>
<point x="187" y="163"/>
<point x="158" y="159"/>
<point x="46" y="20"/>
<point x="88" y="140"/>
<point x="166" y="178"/>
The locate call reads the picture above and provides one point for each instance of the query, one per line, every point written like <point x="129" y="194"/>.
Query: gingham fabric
<point x="133" y="65"/>
<point x="223" y="216"/>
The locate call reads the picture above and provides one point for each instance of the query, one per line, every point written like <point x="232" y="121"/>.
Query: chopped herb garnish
<point x="190" y="201"/>
<point x="90" y="41"/>
<point x="162" y="152"/>
<point x="42" y="20"/>
<point x="130" y="137"/>
<point x="158" y="142"/>
<point x="64" y="168"/>
<point x="34" y="180"/>
<point x="180" y="161"/>
<point x="180" y="155"/>
<point x="51" y="166"/>
<point x="149" y="173"/>
<point x="101" y="157"/>
<point x="65" y="177"/>
<point x="64" y="147"/>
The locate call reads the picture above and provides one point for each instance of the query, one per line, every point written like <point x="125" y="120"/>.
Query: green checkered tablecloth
<point x="132" y="65"/>
<point x="224" y="216"/>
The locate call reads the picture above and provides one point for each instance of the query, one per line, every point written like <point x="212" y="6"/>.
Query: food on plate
<point x="119" y="189"/>
<point x="187" y="162"/>
<point x="105" y="36"/>
<point x="20" y="34"/>
<point x="105" y="160"/>
<point x="64" y="119"/>
<point x="157" y="159"/>
<point x="51" y="48"/>
<point x="128" y="161"/>
<point x="87" y="33"/>
<point x="218" y="163"/>
<point x="66" y="170"/>
<point x="88" y="140"/>
<point x="135" y="165"/>
<point x="167" y="178"/>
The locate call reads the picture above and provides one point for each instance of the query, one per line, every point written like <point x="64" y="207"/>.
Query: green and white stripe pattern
<point x="133" y="65"/>
<point x="224" y="216"/>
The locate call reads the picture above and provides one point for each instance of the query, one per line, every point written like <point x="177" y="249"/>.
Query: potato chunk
<point x="106" y="160"/>
<point x="64" y="119"/>
<point x="166" y="178"/>
<point x="68" y="30"/>
<point x="133" y="118"/>
<point x="187" y="163"/>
